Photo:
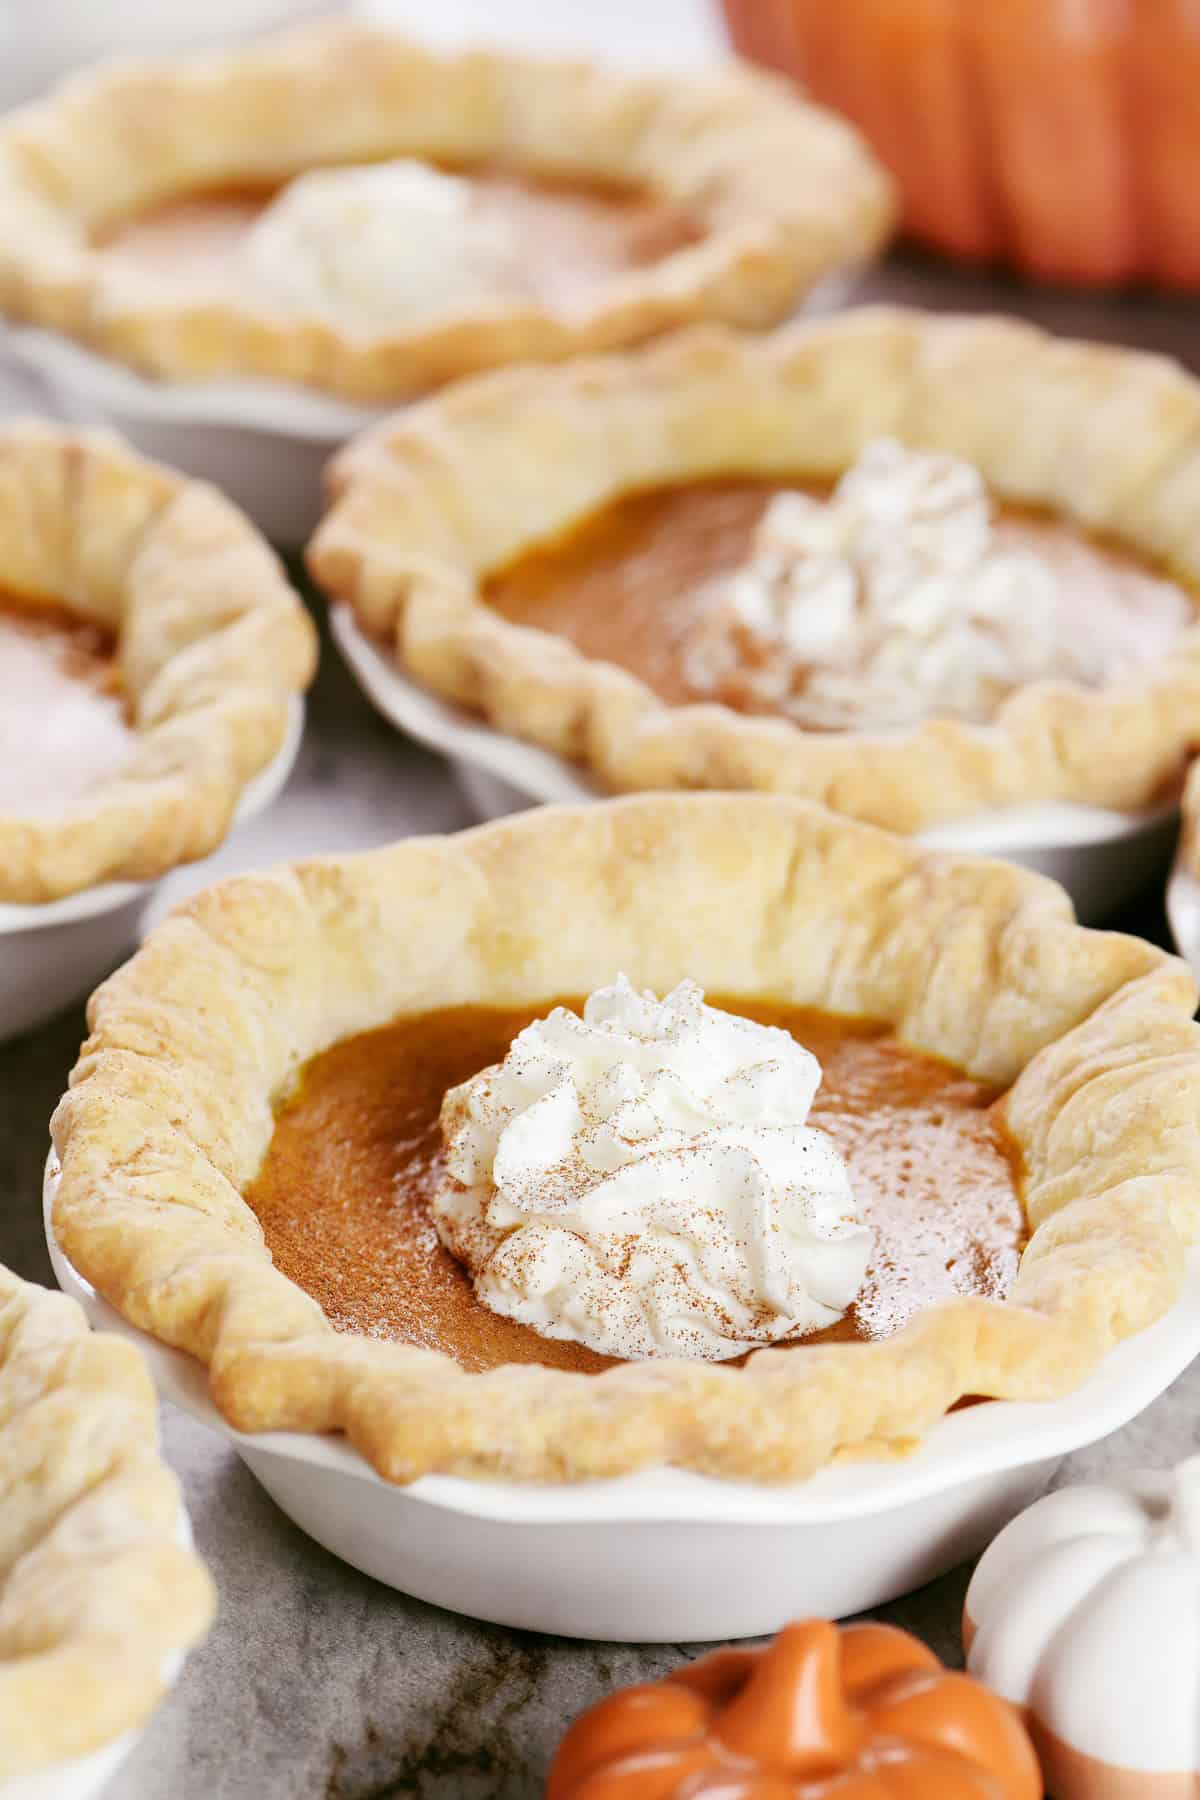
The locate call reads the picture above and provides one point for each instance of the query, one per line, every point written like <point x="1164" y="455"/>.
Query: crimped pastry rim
<point x="428" y="503"/>
<point x="101" y="1520"/>
<point x="322" y="94"/>
<point x="165" y="1121"/>
<point x="212" y="642"/>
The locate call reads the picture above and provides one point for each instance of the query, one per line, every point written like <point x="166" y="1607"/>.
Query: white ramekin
<point x="51" y="954"/>
<point x="1101" y="857"/>
<point x="667" y="1556"/>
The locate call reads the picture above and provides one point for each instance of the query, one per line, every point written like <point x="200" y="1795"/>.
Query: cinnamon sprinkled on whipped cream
<point x="641" y="1180"/>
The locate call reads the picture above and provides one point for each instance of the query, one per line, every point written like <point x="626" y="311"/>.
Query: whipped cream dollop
<point x="893" y="600"/>
<point x="641" y="1180"/>
<point x="382" y="244"/>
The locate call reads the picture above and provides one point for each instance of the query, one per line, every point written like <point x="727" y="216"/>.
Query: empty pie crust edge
<point x="787" y="193"/>
<point x="212" y="646"/>
<point x="96" y="1592"/>
<point x="434" y="500"/>
<point x="169" y="1114"/>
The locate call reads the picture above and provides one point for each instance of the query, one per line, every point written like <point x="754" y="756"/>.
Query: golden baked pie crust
<point x="436" y="500"/>
<point x="212" y="644"/>
<point x="783" y="192"/>
<point x="169" y="1116"/>
<point x="96" y="1592"/>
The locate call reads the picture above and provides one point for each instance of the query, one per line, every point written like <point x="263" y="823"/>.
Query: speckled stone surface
<point x="317" y="1683"/>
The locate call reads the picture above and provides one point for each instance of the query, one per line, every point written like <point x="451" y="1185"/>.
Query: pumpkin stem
<point x="791" y="1715"/>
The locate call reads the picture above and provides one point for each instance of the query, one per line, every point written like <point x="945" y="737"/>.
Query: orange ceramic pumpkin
<point x="1060" y="135"/>
<point x="864" y="1713"/>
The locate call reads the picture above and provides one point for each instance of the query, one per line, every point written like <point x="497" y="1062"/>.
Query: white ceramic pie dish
<point x="50" y="955"/>
<point x="668" y="1556"/>
<point x="1101" y="857"/>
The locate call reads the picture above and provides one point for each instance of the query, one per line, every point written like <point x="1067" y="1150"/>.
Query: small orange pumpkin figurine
<point x="863" y="1713"/>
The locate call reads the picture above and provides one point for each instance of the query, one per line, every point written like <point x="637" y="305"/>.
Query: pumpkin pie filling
<point x="344" y="1192"/>
<point x="63" y="725"/>
<point x="641" y="583"/>
<point x="566" y="237"/>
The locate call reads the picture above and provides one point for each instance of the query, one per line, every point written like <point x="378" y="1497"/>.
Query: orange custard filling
<point x="343" y="1194"/>
<point x="573" y="235"/>
<point x="638" y="582"/>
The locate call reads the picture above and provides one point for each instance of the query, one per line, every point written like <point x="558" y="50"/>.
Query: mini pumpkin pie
<point x="383" y="1143"/>
<point x="96" y="1593"/>
<point x="347" y="210"/>
<point x="914" y="567"/>
<point x="149" y="648"/>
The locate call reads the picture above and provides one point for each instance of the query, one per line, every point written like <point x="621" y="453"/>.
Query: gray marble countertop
<point x="317" y="1683"/>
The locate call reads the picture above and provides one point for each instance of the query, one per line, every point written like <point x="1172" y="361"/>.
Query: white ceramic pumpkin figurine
<point x="1085" y="1612"/>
